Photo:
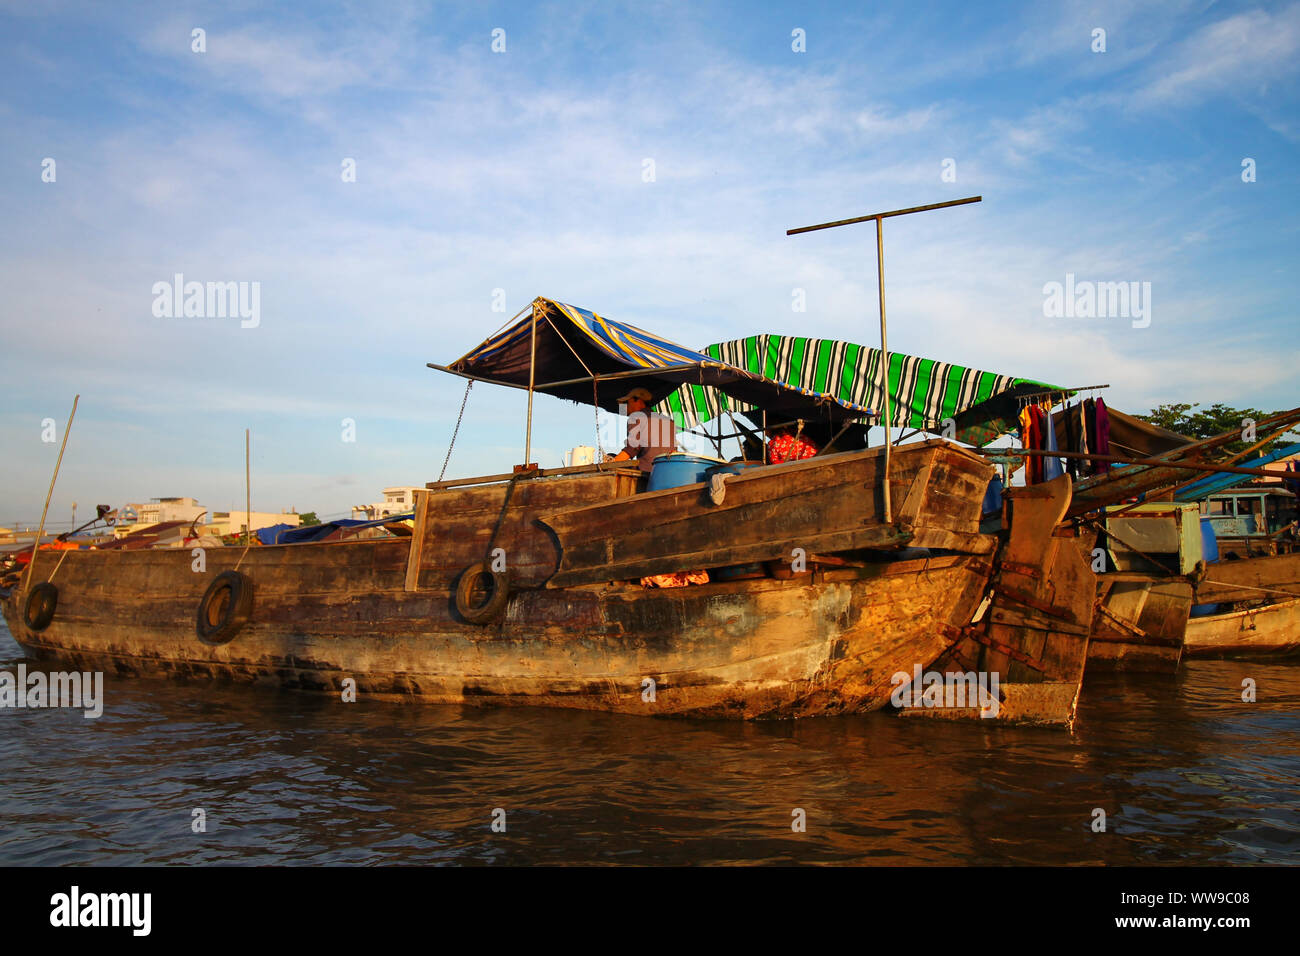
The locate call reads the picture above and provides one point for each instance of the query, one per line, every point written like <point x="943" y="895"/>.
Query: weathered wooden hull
<point x="1140" y="624"/>
<point x="1272" y="630"/>
<point x="1034" y="634"/>
<point x="822" y="643"/>
<point x="1252" y="579"/>
<point x="821" y="505"/>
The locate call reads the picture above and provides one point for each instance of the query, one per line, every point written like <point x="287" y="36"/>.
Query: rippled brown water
<point x="1185" y="771"/>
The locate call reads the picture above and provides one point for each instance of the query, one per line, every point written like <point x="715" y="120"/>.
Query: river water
<point x="1183" y="769"/>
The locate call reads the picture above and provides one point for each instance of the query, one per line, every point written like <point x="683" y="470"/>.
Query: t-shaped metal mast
<point x="880" y="274"/>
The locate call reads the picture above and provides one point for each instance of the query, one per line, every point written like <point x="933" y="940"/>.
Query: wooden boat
<point x="1265" y="630"/>
<point x="1140" y="624"/>
<point x="1143" y="603"/>
<point x="1259" y="608"/>
<point x="1273" y="577"/>
<point x="526" y="588"/>
<point x="323" y="613"/>
<point x="1035" y="634"/>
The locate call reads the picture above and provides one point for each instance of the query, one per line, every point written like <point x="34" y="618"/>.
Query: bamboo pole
<point x="1232" y="459"/>
<point x="612" y="466"/>
<point x="40" y="529"/>
<point x="248" y="503"/>
<point x="1172" y="492"/>
<point x="1148" y="462"/>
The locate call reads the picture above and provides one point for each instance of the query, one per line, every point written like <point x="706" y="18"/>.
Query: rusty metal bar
<point x="883" y="215"/>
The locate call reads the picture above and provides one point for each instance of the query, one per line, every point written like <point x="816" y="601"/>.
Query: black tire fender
<point x="38" y="609"/>
<point x="496" y="603"/>
<point x="226" y="606"/>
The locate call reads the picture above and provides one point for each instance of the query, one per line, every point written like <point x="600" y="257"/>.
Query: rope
<point x="57" y="566"/>
<point x="1246" y="587"/>
<point x="456" y="431"/>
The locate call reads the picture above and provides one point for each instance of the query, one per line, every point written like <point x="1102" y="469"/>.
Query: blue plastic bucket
<point x="1209" y="543"/>
<point x="1210" y="551"/>
<point x="673" y="471"/>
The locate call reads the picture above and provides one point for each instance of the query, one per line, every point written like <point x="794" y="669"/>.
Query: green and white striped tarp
<point x="924" y="392"/>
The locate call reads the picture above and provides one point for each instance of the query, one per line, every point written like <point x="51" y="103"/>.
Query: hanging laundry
<point x="1090" y="432"/>
<point x="1043" y="423"/>
<point x="993" y="496"/>
<point x="1035" y="465"/>
<point x="1026" y="419"/>
<point x="1051" y="466"/>
<point x="1103" y="435"/>
<point x="1070" y="438"/>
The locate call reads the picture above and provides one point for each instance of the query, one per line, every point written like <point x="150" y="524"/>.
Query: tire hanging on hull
<point x="226" y="606"/>
<point x="38" y="609"/>
<point x="495" y="606"/>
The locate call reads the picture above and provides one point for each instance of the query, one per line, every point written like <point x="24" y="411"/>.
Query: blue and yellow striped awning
<point x="584" y="357"/>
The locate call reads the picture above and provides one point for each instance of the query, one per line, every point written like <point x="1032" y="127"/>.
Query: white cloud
<point x="1239" y="56"/>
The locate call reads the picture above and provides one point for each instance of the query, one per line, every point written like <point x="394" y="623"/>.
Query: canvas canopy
<point x="1128" y="435"/>
<point x="585" y="357"/>
<point x="924" y="392"/>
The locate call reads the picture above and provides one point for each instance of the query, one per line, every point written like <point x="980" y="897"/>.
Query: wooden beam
<point x="1147" y="462"/>
<point x="609" y="466"/>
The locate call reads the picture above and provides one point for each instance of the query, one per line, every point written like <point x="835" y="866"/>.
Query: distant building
<point x="399" y="499"/>
<point x="138" y="517"/>
<point x="234" y="522"/>
<point x="160" y="509"/>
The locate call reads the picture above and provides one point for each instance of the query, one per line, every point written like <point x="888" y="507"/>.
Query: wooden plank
<point x="466" y="524"/>
<point x="417" y="540"/>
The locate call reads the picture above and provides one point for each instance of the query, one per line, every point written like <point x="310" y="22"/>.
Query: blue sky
<point x="522" y="170"/>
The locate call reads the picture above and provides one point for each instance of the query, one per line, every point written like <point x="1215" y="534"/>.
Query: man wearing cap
<point x="649" y="434"/>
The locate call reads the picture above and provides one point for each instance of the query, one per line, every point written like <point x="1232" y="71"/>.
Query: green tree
<point x="308" y="518"/>
<point x="1181" y="417"/>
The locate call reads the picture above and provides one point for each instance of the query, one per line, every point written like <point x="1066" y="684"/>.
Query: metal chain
<point x="595" y="403"/>
<point x="457" y="430"/>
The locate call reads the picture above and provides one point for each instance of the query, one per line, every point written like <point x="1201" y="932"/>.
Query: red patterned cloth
<point x="678" y="579"/>
<point x="788" y="448"/>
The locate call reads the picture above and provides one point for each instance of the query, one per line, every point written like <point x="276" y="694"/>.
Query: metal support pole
<point x="884" y="358"/>
<point x="879" y="217"/>
<point x="532" y="371"/>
